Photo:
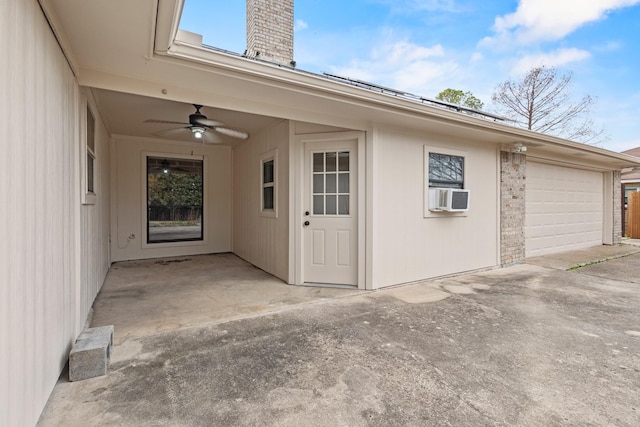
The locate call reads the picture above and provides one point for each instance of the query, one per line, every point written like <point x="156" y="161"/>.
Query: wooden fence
<point x="633" y="215"/>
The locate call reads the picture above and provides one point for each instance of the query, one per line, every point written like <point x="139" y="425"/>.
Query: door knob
<point x="306" y="223"/>
<point x="306" y="213"/>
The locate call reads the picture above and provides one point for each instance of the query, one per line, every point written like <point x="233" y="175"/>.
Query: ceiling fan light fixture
<point x="198" y="131"/>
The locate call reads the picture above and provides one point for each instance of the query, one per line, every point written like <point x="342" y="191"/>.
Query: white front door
<point x="330" y="237"/>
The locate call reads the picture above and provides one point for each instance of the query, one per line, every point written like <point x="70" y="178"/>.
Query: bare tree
<point x="541" y="101"/>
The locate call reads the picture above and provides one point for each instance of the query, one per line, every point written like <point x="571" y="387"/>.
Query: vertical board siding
<point x="129" y="191"/>
<point x="410" y="246"/>
<point x="42" y="262"/>
<point x="262" y="240"/>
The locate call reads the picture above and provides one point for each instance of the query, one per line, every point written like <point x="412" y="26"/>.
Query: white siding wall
<point x="128" y="213"/>
<point x="262" y="240"/>
<point x="95" y="220"/>
<point x="409" y="247"/>
<point x="47" y="281"/>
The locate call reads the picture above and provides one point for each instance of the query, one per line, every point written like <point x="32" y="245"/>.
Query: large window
<point x="446" y="171"/>
<point x="174" y="200"/>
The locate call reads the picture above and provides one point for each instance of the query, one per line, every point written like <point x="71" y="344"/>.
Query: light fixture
<point x="518" y="147"/>
<point x="198" y="131"/>
<point x="165" y="166"/>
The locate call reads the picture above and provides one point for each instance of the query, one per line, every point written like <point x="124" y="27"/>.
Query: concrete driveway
<point x="530" y="345"/>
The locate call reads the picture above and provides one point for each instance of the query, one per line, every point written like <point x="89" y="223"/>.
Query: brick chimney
<point x="270" y="30"/>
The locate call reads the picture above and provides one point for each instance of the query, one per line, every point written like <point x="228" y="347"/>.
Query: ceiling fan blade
<point x="171" y="132"/>
<point x="208" y="123"/>
<point x="234" y="133"/>
<point x="165" y="121"/>
<point x="212" y="138"/>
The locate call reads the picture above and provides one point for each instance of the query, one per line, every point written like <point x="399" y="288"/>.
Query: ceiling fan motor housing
<point x="195" y="119"/>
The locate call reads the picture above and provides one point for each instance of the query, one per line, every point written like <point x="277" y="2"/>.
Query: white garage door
<point x="564" y="209"/>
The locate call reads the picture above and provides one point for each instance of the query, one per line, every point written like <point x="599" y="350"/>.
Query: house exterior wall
<point x="262" y="238"/>
<point x="513" y="172"/>
<point x="95" y="216"/>
<point x="128" y="214"/>
<point x="52" y="259"/>
<point x="410" y="244"/>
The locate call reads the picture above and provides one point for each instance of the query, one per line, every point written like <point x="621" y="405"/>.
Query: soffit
<point x="127" y="114"/>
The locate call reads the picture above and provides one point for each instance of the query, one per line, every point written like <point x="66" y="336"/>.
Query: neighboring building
<point x="333" y="185"/>
<point x="630" y="178"/>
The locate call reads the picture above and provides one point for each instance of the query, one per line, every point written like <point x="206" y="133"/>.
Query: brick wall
<point x="270" y="30"/>
<point x="617" y="208"/>
<point x="512" y="207"/>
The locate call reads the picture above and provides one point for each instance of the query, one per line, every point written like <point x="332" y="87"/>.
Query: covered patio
<point x="148" y="297"/>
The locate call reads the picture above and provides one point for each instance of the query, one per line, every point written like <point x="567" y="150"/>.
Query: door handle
<point x="306" y="223"/>
<point x="306" y="213"/>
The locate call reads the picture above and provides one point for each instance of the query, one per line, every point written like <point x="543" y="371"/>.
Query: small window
<point x="268" y="190"/>
<point x="268" y="196"/>
<point x="91" y="151"/>
<point x="446" y="171"/>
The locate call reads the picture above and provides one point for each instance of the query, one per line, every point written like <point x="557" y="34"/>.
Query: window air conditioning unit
<point x="448" y="200"/>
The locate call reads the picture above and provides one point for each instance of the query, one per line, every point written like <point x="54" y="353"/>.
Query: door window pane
<point x="318" y="183"/>
<point x="318" y="205"/>
<point x="331" y="162"/>
<point x="343" y="183"/>
<point x="331" y="183"/>
<point x="174" y="200"/>
<point x="343" y="205"/>
<point x="318" y="162"/>
<point x="331" y="205"/>
<point x="343" y="161"/>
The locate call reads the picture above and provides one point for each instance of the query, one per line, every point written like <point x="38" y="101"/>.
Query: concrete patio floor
<point x="147" y="297"/>
<point x="531" y="344"/>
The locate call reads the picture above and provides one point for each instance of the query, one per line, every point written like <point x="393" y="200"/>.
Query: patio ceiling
<point x="125" y="114"/>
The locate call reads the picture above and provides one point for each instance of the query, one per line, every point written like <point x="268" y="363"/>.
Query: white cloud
<point x="544" y="20"/>
<point x="300" y="25"/>
<point x="556" y="58"/>
<point x="404" y="66"/>
<point x="476" y="57"/>
<point x="611" y="46"/>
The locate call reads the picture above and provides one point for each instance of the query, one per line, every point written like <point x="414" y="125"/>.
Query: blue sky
<point x="425" y="46"/>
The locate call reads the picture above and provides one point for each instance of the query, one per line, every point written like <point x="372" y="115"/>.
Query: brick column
<point x="617" y="208"/>
<point x="512" y="207"/>
<point x="270" y="30"/>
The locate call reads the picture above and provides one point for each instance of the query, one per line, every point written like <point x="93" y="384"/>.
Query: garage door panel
<point x="564" y="208"/>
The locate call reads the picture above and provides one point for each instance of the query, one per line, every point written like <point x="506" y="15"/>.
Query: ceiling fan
<point x="199" y="125"/>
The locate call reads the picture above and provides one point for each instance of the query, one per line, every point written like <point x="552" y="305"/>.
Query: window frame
<point x="427" y="213"/>
<point x="88" y="157"/>
<point x="271" y="156"/>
